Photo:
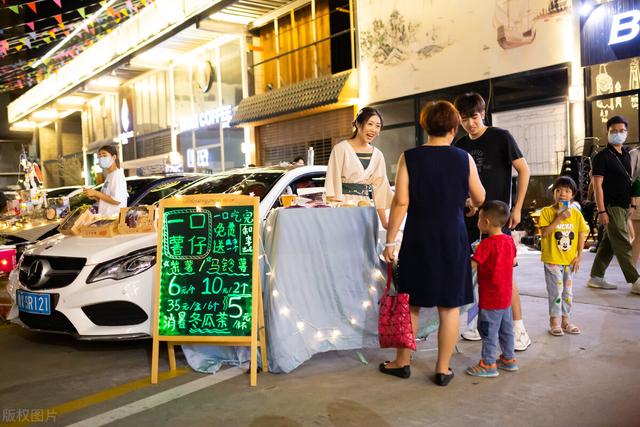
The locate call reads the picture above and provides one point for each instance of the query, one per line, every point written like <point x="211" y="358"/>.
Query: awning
<point x="291" y="99"/>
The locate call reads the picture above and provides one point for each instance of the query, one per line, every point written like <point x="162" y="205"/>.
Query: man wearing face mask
<point x="612" y="187"/>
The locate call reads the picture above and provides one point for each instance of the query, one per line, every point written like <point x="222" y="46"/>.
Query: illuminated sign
<point x="198" y="157"/>
<point x="221" y="116"/>
<point x="624" y="27"/>
<point x="125" y="124"/>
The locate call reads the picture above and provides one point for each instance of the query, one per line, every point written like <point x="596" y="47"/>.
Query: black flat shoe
<point x="444" y="379"/>
<point x="404" y="372"/>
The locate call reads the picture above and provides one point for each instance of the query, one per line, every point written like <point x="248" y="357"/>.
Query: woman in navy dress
<point x="434" y="184"/>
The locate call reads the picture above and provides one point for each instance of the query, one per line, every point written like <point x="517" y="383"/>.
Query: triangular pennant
<point x="103" y="2"/>
<point x="124" y="11"/>
<point x="33" y="35"/>
<point x="19" y="47"/>
<point x="26" y="42"/>
<point x="32" y="6"/>
<point x="15" y="9"/>
<point x="58" y="18"/>
<point x="144" y="2"/>
<point x="61" y="25"/>
<point x="30" y="25"/>
<point x="46" y="40"/>
<point x="58" y="2"/>
<point x="66" y="33"/>
<point x="82" y="13"/>
<point x="1" y="31"/>
<point x="130" y="6"/>
<point x="4" y="46"/>
<point x="53" y="33"/>
<point x="111" y="11"/>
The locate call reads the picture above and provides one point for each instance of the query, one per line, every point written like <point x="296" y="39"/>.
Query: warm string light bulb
<point x="300" y="326"/>
<point x="285" y="311"/>
<point x="366" y="304"/>
<point x="275" y="293"/>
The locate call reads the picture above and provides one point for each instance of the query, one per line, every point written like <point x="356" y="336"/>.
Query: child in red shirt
<point x="494" y="259"/>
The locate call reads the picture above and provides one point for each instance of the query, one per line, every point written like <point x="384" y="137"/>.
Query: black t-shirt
<point x="494" y="153"/>
<point x="616" y="182"/>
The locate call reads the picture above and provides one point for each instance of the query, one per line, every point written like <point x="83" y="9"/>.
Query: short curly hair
<point x="438" y="118"/>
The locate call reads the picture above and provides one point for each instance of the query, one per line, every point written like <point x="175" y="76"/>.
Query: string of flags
<point x="37" y="33"/>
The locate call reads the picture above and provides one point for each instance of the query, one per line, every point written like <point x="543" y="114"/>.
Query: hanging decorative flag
<point x="58" y="2"/>
<point x="26" y="42"/>
<point x="19" y="47"/>
<point x="32" y="34"/>
<point x="82" y="13"/>
<point x="30" y="25"/>
<point x="15" y="9"/>
<point x="4" y="47"/>
<point x="32" y="6"/>
<point x="58" y="18"/>
<point x="124" y="11"/>
<point x="52" y="32"/>
<point x="46" y="39"/>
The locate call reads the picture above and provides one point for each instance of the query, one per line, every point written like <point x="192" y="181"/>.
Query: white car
<point x="101" y="288"/>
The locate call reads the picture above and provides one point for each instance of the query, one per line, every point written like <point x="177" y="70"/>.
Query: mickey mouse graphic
<point x="564" y="239"/>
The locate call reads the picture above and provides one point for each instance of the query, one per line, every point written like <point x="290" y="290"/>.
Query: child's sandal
<point x="556" y="331"/>
<point x="571" y="329"/>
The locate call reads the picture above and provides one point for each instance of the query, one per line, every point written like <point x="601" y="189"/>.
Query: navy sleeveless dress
<point x="434" y="260"/>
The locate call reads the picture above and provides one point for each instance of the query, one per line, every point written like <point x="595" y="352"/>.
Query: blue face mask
<point x="617" y="138"/>
<point x="105" y="162"/>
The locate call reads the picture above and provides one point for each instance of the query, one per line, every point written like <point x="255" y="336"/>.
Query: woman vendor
<point x="113" y="195"/>
<point x="357" y="170"/>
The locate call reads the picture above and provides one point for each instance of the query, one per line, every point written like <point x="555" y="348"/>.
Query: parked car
<point x="142" y="191"/>
<point x="97" y="288"/>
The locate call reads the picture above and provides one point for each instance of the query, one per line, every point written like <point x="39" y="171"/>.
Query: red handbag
<point x="394" y="321"/>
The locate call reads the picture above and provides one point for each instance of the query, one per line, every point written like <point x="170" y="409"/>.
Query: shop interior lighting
<point x="235" y="19"/>
<point x="45" y="115"/>
<point x="75" y="32"/>
<point x="105" y="81"/>
<point x="23" y="125"/>
<point x="72" y="101"/>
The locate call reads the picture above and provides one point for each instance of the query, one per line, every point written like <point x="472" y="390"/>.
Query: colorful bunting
<point x="58" y="2"/>
<point x="82" y="13"/>
<point x="58" y="18"/>
<point x="32" y="6"/>
<point x="15" y="9"/>
<point x="30" y="25"/>
<point x="26" y="42"/>
<point x="33" y="35"/>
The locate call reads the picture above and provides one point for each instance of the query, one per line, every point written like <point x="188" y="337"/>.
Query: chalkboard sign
<point x="207" y="286"/>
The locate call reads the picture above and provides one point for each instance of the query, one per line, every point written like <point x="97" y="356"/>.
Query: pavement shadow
<point x="274" y="421"/>
<point x="347" y="413"/>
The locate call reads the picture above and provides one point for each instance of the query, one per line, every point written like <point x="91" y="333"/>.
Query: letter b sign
<point x="624" y="27"/>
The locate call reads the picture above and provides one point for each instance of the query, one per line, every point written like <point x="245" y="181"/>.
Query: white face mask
<point x="105" y="162"/>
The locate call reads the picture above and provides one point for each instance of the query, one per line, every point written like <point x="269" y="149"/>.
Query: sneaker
<point x="510" y="365"/>
<point x="593" y="249"/>
<point x="635" y="288"/>
<point x="483" y="370"/>
<point x="521" y="340"/>
<point x="471" y="335"/>
<point x="600" y="283"/>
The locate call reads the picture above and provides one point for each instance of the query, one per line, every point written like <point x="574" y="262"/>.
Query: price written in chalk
<point x="206" y="271"/>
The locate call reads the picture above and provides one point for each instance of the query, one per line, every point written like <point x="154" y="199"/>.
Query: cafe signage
<point x="217" y="116"/>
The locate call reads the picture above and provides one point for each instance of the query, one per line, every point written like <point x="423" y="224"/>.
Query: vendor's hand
<point x="90" y="192"/>
<point x="603" y="219"/>
<point x="575" y="264"/>
<point x="471" y="210"/>
<point x="514" y="219"/>
<point x="389" y="253"/>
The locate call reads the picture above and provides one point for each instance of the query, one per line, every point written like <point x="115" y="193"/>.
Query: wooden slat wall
<point x="293" y="33"/>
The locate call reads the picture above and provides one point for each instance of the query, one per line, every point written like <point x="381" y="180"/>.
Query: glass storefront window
<point x="392" y="143"/>
<point x="233" y="155"/>
<point x="394" y="113"/>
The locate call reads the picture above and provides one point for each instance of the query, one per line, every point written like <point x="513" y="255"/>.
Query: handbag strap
<point x="622" y="166"/>
<point x="389" y="276"/>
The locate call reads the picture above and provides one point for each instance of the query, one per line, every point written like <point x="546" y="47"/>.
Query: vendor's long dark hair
<point x="111" y="150"/>
<point x="363" y="116"/>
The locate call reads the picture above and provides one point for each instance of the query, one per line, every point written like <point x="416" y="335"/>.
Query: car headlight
<point x="123" y="267"/>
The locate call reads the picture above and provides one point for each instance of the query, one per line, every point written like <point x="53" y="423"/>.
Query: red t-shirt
<point x="495" y="256"/>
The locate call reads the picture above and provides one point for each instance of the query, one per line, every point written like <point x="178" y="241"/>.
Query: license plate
<point x="30" y="302"/>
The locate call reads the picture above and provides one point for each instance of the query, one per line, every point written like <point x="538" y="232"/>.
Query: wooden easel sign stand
<point x="207" y="286"/>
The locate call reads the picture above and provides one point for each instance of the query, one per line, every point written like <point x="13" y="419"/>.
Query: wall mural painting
<point x="435" y="44"/>
<point x="607" y="82"/>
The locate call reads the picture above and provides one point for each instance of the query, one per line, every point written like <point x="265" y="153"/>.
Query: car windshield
<point x="166" y="189"/>
<point x="135" y="187"/>
<point x="247" y="183"/>
<point x="58" y="192"/>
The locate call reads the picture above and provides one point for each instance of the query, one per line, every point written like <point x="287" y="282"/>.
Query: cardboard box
<point x="103" y="227"/>
<point x="75" y="221"/>
<point x="137" y="219"/>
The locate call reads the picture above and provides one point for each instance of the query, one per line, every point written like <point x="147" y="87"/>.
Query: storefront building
<point x="305" y="86"/>
<point x="162" y="86"/>
<point x="522" y="58"/>
<point x="610" y="52"/>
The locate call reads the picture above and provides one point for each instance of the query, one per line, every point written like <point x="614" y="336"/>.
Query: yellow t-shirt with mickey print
<point x="561" y="245"/>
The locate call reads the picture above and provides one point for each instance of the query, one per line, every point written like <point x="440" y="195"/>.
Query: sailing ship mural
<point x="515" y="20"/>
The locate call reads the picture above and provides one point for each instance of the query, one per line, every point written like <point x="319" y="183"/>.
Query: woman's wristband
<point x="389" y="245"/>
<point x="602" y="212"/>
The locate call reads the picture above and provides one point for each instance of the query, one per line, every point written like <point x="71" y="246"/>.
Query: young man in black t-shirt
<point x="495" y="152"/>
<point x="612" y="188"/>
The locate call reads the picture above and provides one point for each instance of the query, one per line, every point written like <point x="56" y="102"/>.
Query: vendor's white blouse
<point x="345" y="167"/>
<point x="115" y="186"/>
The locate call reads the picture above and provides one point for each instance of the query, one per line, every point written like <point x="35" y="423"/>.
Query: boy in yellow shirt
<point x="564" y="232"/>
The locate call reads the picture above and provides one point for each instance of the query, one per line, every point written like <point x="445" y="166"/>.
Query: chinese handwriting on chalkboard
<point x="206" y="271"/>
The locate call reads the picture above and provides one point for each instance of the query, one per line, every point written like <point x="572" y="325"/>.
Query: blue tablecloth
<point x="321" y="278"/>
